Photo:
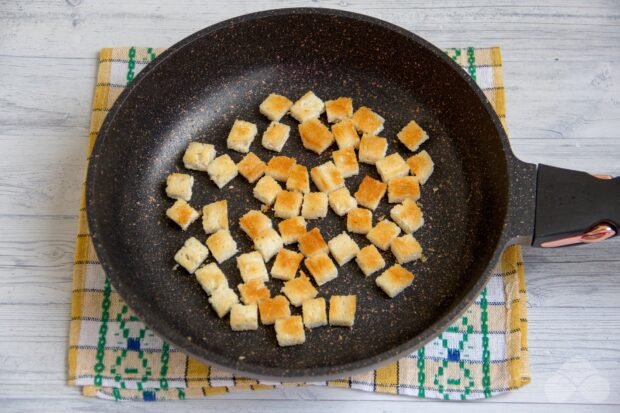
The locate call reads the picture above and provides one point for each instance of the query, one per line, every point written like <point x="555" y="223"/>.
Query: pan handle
<point x="574" y="207"/>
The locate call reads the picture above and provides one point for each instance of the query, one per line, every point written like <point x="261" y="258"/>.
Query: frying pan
<point x="480" y="199"/>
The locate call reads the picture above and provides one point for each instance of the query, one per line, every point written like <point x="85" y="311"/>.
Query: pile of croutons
<point x="283" y="185"/>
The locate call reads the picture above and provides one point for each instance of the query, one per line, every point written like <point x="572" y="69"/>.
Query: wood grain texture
<point x="561" y="66"/>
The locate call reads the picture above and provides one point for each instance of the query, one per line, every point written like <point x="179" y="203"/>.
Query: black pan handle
<point x="575" y="207"/>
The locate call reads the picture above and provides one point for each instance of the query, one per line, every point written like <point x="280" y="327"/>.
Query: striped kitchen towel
<point x="113" y="355"/>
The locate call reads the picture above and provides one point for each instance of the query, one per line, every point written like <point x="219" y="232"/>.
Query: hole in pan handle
<point x="574" y="207"/>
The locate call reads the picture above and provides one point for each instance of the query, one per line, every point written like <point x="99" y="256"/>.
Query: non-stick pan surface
<point x="195" y="91"/>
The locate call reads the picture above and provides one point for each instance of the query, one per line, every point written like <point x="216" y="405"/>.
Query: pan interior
<point x="223" y="75"/>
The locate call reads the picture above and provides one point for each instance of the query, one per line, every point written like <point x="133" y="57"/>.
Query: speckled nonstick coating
<point x="198" y="87"/>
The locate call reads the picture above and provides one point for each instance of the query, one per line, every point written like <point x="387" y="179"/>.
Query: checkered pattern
<point x="113" y="355"/>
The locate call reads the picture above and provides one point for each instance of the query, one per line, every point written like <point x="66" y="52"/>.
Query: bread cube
<point x="182" y="214"/>
<point x="290" y="331"/>
<point x="372" y="149"/>
<point x="254" y="222"/>
<point x="326" y="177"/>
<point x="314" y="312"/>
<point x="341" y="201"/>
<point x="345" y="134"/>
<point x="222" y="300"/>
<point x="321" y="268"/>
<point x="298" y="179"/>
<point x="312" y="243"/>
<point x="342" y="310"/>
<point x="406" y="249"/>
<point x="291" y="229"/>
<point x="179" y="186"/>
<point x="272" y="309"/>
<point x="252" y="267"/>
<point x="346" y="162"/>
<point x="383" y="234"/>
<point x="266" y="190"/>
<point x="241" y="136"/>
<point x="222" y="245"/>
<point x="394" y="280"/>
<point x="403" y="187"/>
<point x="343" y="248"/>
<point x="275" y="106"/>
<point x="251" y="167"/>
<point x="299" y="289"/>
<point x="287" y="204"/>
<point x="307" y="107"/>
<point x="286" y="264"/>
<point x="253" y="291"/>
<point x="315" y="136"/>
<point x="408" y="216"/>
<point x="268" y="243"/>
<point x="359" y="221"/>
<point x="339" y="109"/>
<point x="191" y="255"/>
<point x="421" y="165"/>
<point x="210" y="278"/>
<point x="279" y="167"/>
<point x="222" y="170"/>
<point x="315" y="205"/>
<point x="275" y="136"/>
<point x="370" y="192"/>
<point x="369" y="260"/>
<point x="367" y="121"/>
<point x="215" y="216"/>
<point x="198" y="156"/>
<point x="243" y="317"/>
<point x="392" y="166"/>
<point x="412" y="136"/>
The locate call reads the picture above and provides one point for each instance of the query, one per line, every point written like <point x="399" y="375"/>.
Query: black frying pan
<point x="485" y="198"/>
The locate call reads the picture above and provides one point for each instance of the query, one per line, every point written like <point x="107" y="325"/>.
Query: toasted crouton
<point x="182" y="214"/>
<point x="254" y="222"/>
<point x="394" y="280"/>
<point x="321" y="268"/>
<point x="222" y="245"/>
<point x="298" y="179"/>
<point x="279" y="167"/>
<point x="307" y="107"/>
<point x="342" y="310"/>
<point x="403" y="187"/>
<point x="326" y="177"/>
<point x="191" y="255"/>
<point x="272" y="309"/>
<point x="241" y="136"/>
<point x="275" y="136"/>
<point x="222" y="170"/>
<point x="251" y="167"/>
<point x="253" y="291"/>
<point x="312" y="243"/>
<point x="251" y="266"/>
<point x="339" y="109"/>
<point x="345" y="134"/>
<point x="359" y="221"/>
<point x="179" y="186"/>
<point x="210" y="278"/>
<point x="299" y="290"/>
<point x="266" y="190"/>
<point x="315" y="205"/>
<point x="383" y="234"/>
<point x="286" y="264"/>
<point x="370" y="192"/>
<point x="421" y="166"/>
<point x="198" y="156"/>
<point x="412" y="136"/>
<point x="291" y="229"/>
<point x="215" y="216"/>
<point x="406" y="249"/>
<point x="392" y="166"/>
<point x="369" y="260"/>
<point x="314" y="312"/>
<point x="268" y="243"/>
<point x="243" y="317"/>
<point x="341" y="201"/>
<point x="367" y="121"/>
<point x="343" y="248"/>
<point x="372" y="149"/>
<point x="275" y="106"/>
<point x="222" y="300"/>
<point x="315" y="136"/>
<point x="287" y="204"/>
<point x="290" y="331"/>
<point x="346" y="162"/>
<point x="408" y="216"/>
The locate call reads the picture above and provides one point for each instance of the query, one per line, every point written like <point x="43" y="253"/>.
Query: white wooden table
<point x="562" y="70"/>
